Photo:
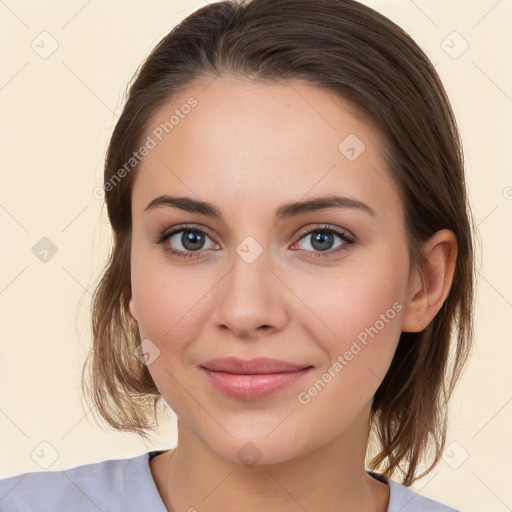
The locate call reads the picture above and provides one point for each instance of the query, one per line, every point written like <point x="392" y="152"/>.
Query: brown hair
<point x="351" y="50"/>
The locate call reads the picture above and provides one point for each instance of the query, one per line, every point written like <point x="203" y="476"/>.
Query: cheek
<point x="171" y="305"/>
<point x="171" y="302"/>
<point x="366" y="324"/>
<point x="366" y="329"/>
<point x="358" y="313"/>
<point x="370" y="310"/>
<point x="354" y="297"/>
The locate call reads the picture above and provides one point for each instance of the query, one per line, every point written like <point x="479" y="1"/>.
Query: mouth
<point x="254" y="378"/>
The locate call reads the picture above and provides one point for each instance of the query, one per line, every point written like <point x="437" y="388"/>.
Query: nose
<point x="250" y="300"/>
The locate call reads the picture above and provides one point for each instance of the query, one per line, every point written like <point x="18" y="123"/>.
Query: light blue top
<point x="122" y="485"/>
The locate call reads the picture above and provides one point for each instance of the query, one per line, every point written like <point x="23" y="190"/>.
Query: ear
<point x="430" y="285"/>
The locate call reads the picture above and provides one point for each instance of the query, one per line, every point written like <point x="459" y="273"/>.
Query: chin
<point x="257" y="452"/>
<point x="251" y="447"/>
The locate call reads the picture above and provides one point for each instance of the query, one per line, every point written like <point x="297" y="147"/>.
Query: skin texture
<point x="248" y="148"/>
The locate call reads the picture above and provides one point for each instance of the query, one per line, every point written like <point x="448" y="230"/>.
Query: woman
<point x="292" y="266"/>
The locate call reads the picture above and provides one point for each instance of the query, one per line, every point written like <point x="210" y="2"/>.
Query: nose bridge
<point x="250" y="296"/>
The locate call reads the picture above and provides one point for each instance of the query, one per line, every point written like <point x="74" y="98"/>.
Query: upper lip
<point x="259" y="365"/>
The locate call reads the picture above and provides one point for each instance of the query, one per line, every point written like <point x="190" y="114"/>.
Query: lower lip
<point x="252" y="387"/>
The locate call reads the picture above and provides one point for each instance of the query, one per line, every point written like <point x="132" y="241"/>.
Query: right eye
<point x="189" y="241"/>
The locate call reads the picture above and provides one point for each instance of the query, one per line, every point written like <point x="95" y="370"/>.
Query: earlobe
<point x="430" y="286"/>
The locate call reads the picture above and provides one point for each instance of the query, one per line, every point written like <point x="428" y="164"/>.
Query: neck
<point x="331" y="477"/>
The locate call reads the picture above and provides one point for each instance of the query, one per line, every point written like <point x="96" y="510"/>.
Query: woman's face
<point x="323" y="289"/>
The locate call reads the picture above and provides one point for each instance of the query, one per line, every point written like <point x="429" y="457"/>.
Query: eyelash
<point x="326" y="228"/>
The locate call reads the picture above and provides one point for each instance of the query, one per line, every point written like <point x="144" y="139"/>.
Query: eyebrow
<point x="284" y="211"/>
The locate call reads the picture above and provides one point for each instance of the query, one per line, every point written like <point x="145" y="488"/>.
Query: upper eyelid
<point x="326" y="227"/>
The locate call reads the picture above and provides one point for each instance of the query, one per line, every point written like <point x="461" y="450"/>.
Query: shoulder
<point x="404" y="499"/>
<point x="89" y="487"/>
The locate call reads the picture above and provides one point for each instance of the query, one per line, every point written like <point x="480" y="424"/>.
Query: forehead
<point x="255" y="144"/>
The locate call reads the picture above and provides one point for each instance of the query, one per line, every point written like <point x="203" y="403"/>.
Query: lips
<point x="252" y="366"/>
<point x="254" y="378"/>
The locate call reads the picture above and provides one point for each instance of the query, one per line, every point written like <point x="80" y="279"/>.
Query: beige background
<point x="57" y="114"/>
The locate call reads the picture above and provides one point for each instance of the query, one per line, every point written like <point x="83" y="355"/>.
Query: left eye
<point x="322" y="240"/>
